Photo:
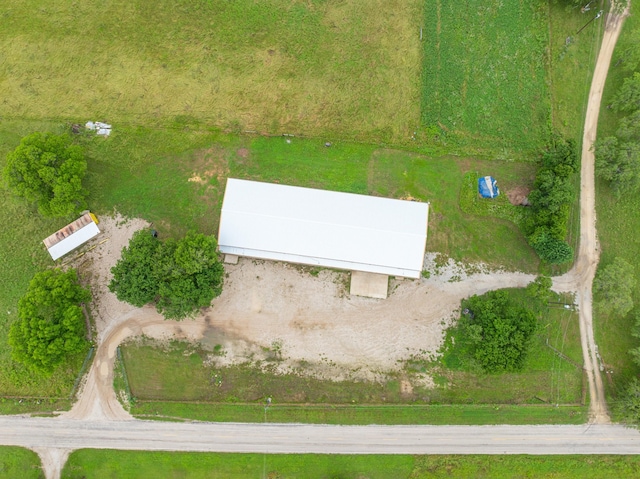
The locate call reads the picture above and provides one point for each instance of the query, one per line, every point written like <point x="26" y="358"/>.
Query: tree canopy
<point x="497" y="331"/>
<point x="51" y="324"/>
<point x="48" y="170"/>
<point x="618" y="156"/>
<point x="551" y="199"/>
<point x="134" y="279"/>
<point x="180" y="276"/>
<point x="615" y="283"/>
<point x="540" y="289"/>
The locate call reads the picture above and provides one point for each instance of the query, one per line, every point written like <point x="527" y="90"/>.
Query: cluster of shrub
<point x="551" y="200"/>
<point x="496" y="330"/>
<point x="179" y="276"/>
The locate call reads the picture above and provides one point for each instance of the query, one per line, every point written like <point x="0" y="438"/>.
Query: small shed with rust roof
<point x="72" y="236"/>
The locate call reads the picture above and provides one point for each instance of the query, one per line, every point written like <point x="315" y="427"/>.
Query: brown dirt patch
<point x="209" y="163"/>
<point x="518" y="195"/>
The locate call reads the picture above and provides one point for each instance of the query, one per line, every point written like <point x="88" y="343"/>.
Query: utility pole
<point x="598" y="15"/>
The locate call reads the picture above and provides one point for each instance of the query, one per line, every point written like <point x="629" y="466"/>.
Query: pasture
<point x="485" y="75"/>
<point x="346" y="69"/>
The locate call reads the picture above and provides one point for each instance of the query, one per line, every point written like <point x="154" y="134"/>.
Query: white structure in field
<point x="323" y="228"/>
<point x="72" y="236"/>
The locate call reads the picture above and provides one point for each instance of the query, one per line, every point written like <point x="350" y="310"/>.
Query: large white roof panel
<point x="326" y="228"/>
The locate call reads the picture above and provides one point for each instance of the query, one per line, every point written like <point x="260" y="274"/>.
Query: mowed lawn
<point x="485" y="74"/>
<point x="348" y="69"/>
<point x="19" y="462"/>
<point x="132" y="464"/>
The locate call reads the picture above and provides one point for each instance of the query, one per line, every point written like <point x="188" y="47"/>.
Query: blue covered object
<point x="488" y="187"/>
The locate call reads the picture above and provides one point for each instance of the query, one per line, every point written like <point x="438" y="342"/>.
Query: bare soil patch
<point x="518" y="195"/>
<point x="209" y="163"/>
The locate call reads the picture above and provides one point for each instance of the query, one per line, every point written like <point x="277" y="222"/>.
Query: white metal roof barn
<point x="323" y="228"/>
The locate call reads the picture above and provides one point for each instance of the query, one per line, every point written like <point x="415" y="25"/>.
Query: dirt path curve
<point x="580" y="278"/>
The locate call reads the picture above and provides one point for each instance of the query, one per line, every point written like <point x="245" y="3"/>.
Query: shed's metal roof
<point x="324" y="228"/>
<point x="71" y="236"/>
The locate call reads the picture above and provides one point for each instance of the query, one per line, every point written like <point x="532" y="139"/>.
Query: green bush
<point x="47" y="170"/>
<point x="180" y="276"/>
<point x="496" y="331"/>
<point x="551" y="199"/>
<point x="51" y="324"/>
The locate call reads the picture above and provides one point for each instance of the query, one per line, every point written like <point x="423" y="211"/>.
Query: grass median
<point x="129" y="464"/>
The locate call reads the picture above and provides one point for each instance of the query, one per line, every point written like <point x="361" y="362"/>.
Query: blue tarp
<point x="488" y="187"/>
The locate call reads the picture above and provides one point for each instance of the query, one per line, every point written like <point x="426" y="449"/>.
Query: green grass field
<point x="485" y="72"/>
<point x="18" y="462"/>
<point x="345" y="70"/>
<point x="438" y="414"/>
<point x="132" y="464"/>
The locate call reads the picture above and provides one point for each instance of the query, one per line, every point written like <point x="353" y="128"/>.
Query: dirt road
<point x="580" y="278"/>
<point x="44" y="434"/>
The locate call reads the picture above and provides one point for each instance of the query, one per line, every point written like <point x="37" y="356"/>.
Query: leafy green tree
<point x="498" y="330"/>
<point x="191" y="275"/>
<point x="614" y="283"/>
<point x="50" y="324"/>
<point x="47" y="170"/>
<point x="180" y="276"/>
<point x="629" y="127"/>
<point x="618" y="163"/>
<point x="628" y="404"/>
<point x="551" y="249"/>
<point x="134" y="278"/>
<point x="628" y="96"/>
<point x="551" y="198"/>
<point x="540" y="289"/>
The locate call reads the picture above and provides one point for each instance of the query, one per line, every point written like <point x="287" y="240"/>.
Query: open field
<point x="485" y="82"/>
<point x="19" y="462"/>
<point x="348" y="70"/>
<point x="618" y="225"/>
<point x="129" y="464"/>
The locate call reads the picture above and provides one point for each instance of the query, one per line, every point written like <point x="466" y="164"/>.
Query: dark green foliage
<point x="190" y="275"/>
<point x="133" y="276"/>
<point x="615" y="283"/>
<point x="51" y="324"/>
<point x="551" y="249"/>
<point x="628" y="404"/>
<point x="497" y="331"/>
<point x="47" y="170"/>
<point x="619" y="162"/>
<point x="540" y="289"/>
<point x="635" y="332"/>
<point x="180" y="276"/>
<point x="618" y="157"/>
<point x="551" y="199"/>
<point x="628" y="97"/>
